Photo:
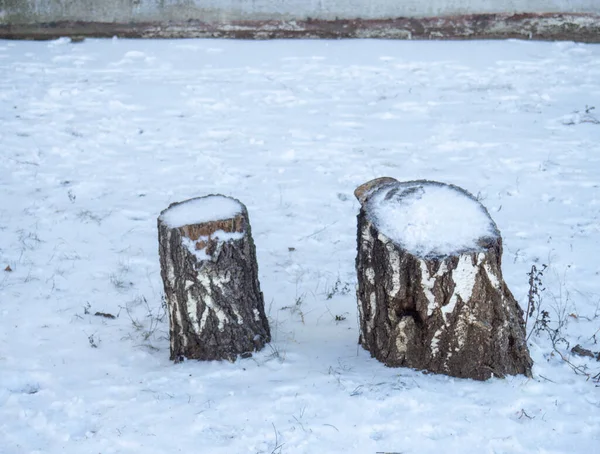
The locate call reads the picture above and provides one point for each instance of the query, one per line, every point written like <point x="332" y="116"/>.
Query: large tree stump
<point x="430" y="288"/>
<point x="210" y="275"/>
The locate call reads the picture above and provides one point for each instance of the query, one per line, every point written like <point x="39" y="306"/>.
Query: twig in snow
<point x="277" y="449"/>
<point x="331" y="425"/>
<point x="551" y="381"/>
<point x="318" y="231"/>
<point x="301" y="425"/>
<point x="524" y="413"/>
<point x="105" y="315"/>
<point x="593" y="336"/>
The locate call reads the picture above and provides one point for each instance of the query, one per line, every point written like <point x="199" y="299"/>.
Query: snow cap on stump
<point x="431" y="293"/>
<point x="210" y="276"/>
<point x="430" y="219"/>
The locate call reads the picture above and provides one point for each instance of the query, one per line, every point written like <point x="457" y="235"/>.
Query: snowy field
<point x="97" y="138"/>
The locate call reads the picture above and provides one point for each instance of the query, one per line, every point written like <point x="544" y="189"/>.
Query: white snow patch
<point x="429" y="219"/>
<point x="176" y="314"/>
<point x="428" y="282"/>
<point x="219" y="235"/>
<point x="170" y="266"/>
<point x="206" y="282"/>
<point x="202" y="209"/>
<point x="435" y="341"/>
<point x="192" y="311"/>
<point x="373" y="309"/>
<point x="221" y="317"/>
<point x="134" y="54"/>
<point x="461" y="330"/>
<point x="190" y="245"/>
<point x="464" y="279"/>
<point x="240" y="320"/>
<point x="394" y="262"/>
<point x="224" y="236"/>
<point x="491" y="276"/>
<point x="203" y="319"/>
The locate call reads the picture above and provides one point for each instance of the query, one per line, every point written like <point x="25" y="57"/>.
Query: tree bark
<point x="451" y="314"/>
<point x="210" y="277"/>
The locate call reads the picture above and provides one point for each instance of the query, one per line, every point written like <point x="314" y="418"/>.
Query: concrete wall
<point x="545" y="19"/>
<point x="124" y="11"/>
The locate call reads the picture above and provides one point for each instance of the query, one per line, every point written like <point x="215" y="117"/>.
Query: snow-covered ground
<point x="97" y="138"/>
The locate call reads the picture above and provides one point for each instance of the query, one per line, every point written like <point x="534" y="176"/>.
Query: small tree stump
<point x="430" y="288"/>
<point x="210" y="275"/>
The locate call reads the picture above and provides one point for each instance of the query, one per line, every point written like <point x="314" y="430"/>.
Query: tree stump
<point x="430" y="289"/>
<point x="210" y="276"/>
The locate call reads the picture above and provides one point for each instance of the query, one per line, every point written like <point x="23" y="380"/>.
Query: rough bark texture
<point x="216" y="308"/>
<point x="452" y="315"/>
<point x="547" y="26"/>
